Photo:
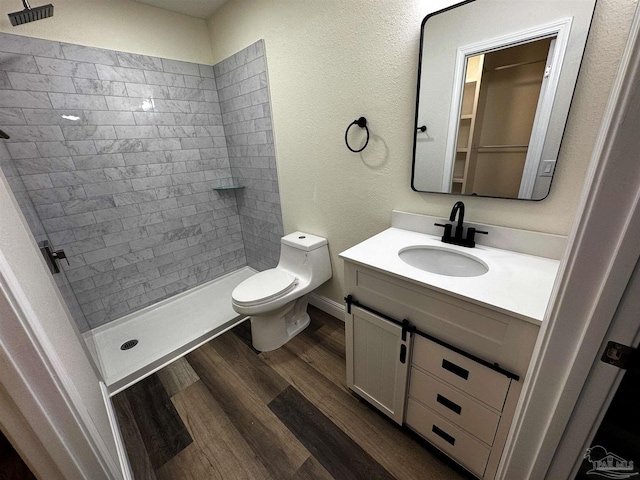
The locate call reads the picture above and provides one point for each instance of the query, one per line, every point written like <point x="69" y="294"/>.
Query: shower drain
<point x="128" y="344"/>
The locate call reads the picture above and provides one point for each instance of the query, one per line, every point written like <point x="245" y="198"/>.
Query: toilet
<point x="276" y="299"/>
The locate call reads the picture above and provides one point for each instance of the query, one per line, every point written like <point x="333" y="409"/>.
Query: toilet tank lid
<point x="303" y="241"/>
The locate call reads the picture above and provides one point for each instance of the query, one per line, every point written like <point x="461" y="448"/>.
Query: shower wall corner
<point x="115" y="156"/>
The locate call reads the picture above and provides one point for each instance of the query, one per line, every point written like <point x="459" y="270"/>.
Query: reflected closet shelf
<point x="498" y="147"/>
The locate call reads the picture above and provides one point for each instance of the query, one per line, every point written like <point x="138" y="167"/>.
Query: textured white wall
<point x="332" y="61"/>
<point x="121" y="25"/>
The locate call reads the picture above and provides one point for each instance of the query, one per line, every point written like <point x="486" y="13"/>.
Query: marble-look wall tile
<point x="163" y="78"/>
<point x="245" y="107"/>
<point x="66" y="101"/>
<point x="88" y="54"/>
<point x="20" y="99"/>
<point x="118" y="154"/>
<point x="66" y="68"/>
<point x="30" y="46"/>
<point x="109" y="118"/>
<point x="120" y="74"/>
<point x="99" y="87"/>
<point x="12" y="116"/>
<point x="143" y="62"/>
<point x="5" y="83"/>
<point x="185" y="68"/>
<point x="94" y="161"/>
<point x="65" y="149"/>
<point x="119" y="146"/>
<point x="137" y="132"/>
<point x="93" y="132"/>
<point x="35" y="133"/>
<point x="20" y="151"/>
<point x="18" y="63"/>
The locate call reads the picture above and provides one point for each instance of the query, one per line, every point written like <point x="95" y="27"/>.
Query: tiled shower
<point x="153" y="175"/>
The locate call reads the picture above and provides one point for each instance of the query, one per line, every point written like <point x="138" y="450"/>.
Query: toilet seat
<point x="264" y="287"/>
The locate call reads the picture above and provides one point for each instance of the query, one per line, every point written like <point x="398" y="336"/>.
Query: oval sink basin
<point x="443" y="261"/>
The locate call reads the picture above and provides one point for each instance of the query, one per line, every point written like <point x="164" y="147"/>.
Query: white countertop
<point x="516" y="283"/>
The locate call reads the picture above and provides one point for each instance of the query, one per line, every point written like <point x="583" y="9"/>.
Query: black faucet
<point x="458" y="208"/>
<point x="457" y="238"/>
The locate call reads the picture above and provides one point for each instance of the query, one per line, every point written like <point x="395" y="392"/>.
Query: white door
<point x="602" y="439"/>
<point x="377" y="361"/>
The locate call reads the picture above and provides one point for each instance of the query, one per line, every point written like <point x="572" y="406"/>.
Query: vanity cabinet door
<point x="377" y="361"/>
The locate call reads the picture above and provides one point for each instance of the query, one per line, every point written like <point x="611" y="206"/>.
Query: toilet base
<point x="274" y="329"/>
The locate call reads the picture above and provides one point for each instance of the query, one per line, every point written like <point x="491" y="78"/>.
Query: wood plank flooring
<point x="226" y="411"/>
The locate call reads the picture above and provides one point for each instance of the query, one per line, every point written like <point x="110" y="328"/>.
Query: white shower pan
<point x="165" y="331"/>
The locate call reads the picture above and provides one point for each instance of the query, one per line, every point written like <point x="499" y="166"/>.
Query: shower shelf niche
<point x="230" y="187"/>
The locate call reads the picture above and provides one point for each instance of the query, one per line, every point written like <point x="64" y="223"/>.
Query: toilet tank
<point x="306" y="256"/>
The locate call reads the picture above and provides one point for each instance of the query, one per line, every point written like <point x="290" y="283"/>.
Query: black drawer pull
<point x="454" y="407"/>
<point x="444" y="435"/>
<point x="403" y="353"/>
<point x="455" y="369"/>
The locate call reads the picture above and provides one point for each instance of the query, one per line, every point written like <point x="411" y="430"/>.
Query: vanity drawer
<point x="456" y="407"/>
<point x="447" y="437"/>
<point x="469" y="376"/>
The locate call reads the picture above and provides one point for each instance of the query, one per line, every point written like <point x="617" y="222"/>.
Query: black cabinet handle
<point x="455" y="369"/>
<point x="454" y="407"/>
<point x="444" y="435"/>
<point x="403" y="353"/>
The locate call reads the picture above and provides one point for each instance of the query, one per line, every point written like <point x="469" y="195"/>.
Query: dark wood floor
<point x="226" y="411"/>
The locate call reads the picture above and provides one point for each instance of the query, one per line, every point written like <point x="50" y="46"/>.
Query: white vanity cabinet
<point x="461" y="374"/>
<point x="457" y="404"/>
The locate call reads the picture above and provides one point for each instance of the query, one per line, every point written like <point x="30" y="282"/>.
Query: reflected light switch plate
<point x="548" y="166"/>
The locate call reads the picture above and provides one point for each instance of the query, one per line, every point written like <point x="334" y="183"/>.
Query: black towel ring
<point x="362" y="123"/>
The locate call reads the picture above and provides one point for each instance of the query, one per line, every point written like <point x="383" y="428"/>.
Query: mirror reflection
<point x="495" y="84"/>
<point x="500" y="98"/>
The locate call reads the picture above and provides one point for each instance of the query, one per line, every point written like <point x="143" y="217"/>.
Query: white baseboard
<point x="125" y="466"/>
<point x="327" y="305"/>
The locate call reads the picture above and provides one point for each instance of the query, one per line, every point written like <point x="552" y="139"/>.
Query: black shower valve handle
<point x="59" y="255"/>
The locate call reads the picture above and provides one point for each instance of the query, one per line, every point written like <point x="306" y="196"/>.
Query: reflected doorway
<point x="500" y="102"/>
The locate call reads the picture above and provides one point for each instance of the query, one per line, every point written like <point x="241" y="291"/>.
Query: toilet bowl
<point x="276" y="299"/>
